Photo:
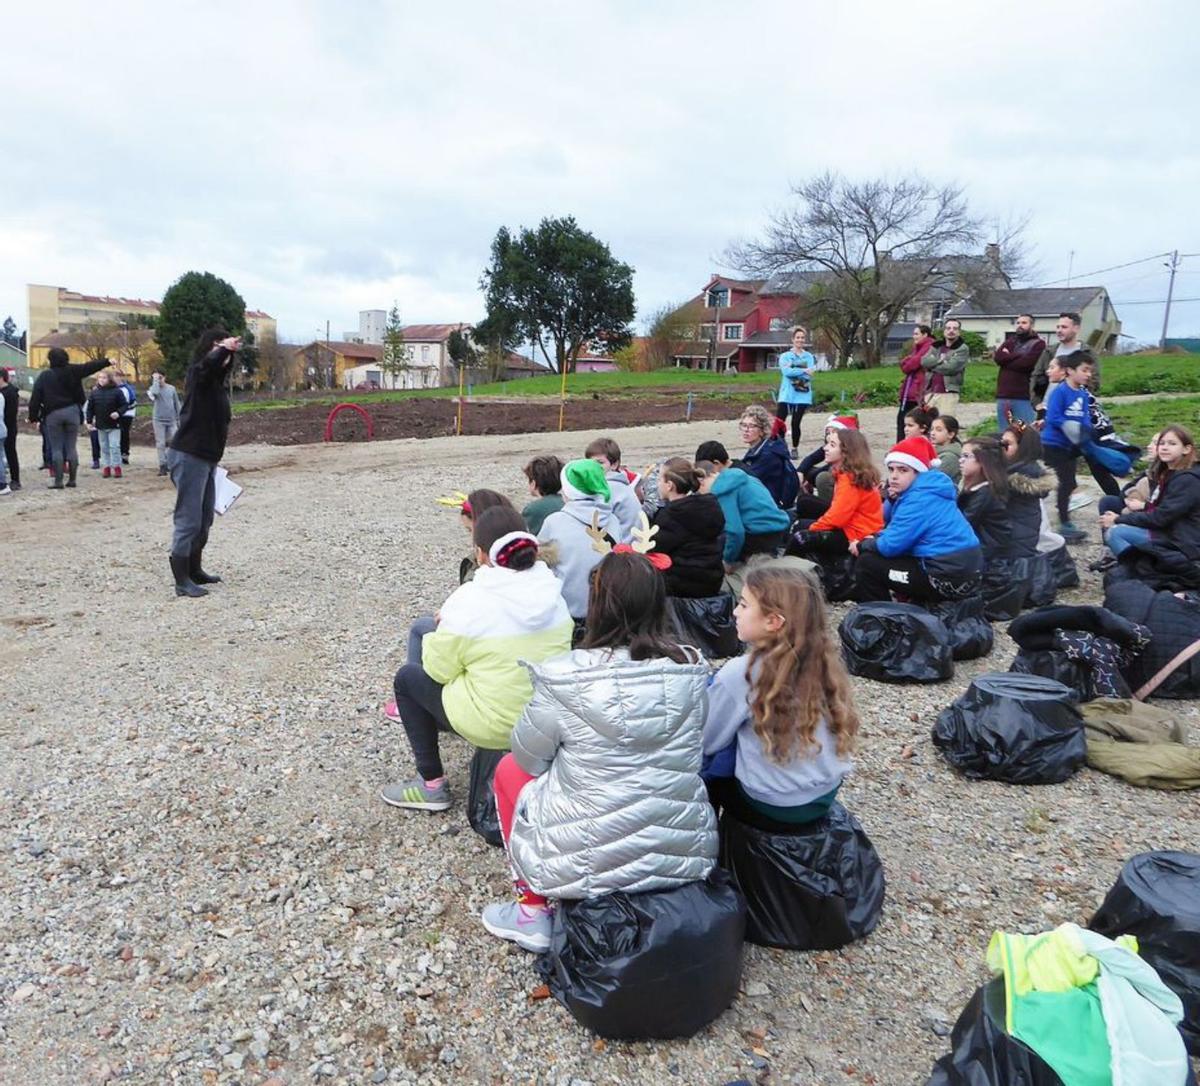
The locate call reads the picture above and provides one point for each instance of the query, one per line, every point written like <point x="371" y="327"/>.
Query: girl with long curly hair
<point x="857" y="508"/>
<point x="783" y="714"/>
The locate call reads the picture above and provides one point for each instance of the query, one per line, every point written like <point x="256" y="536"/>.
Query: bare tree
<point x="276" y="364"/>
<point x="831" y="311"/>
<point x="97" y="339"/>
<point x="878" y="241"/>
<point x="667" y="329"/>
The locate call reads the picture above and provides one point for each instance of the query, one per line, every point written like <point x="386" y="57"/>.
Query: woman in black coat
<point x="691" y="528"/>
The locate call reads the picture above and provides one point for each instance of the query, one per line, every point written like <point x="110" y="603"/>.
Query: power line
<point x="1115" y="267"/>
<point x="1160" y="301"/>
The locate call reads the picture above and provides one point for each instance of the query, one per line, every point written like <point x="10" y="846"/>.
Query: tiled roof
<point x="258" y="315"/>
<point x="65" y="295"/>
<point x="431" y="333"/>
<point x="82" y="338"/>
<point x="1037" y="301"/>
<point x="370" y="351"/>
<point x="769" y="340"/>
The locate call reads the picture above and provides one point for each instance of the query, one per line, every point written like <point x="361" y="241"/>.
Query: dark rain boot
<point x="197" y="573"/>
<point x="56" y="477"/>
<point x="184" y="585"/>
<point x="72" y="469"/>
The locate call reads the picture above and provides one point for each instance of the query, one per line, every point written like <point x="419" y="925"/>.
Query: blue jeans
<point x="1021" y="409"/>
<point x="1123" y="536"/>
<point x="110" y="447"/>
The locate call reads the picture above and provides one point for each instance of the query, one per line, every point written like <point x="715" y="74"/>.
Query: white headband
<point x="504" y="541"/>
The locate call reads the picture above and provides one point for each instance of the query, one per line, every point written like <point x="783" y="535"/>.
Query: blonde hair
<point x="760" y="416"/>
<point x="799" y="677"/>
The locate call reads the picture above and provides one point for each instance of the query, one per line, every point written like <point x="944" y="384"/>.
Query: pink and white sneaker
<point x="526" y="925"/>
<point x="391" y="712"/>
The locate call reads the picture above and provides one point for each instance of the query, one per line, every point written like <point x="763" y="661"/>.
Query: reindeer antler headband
<point x="643" y="542"/>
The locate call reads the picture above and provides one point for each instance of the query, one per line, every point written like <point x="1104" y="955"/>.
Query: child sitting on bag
<point x="781" y="721"/>
<point x="468" y="676"/>
<point x="857" y="508"/>
<point x="571" y="532"/>
<point x="626" y="505"/>
<point x="544" y="475"/>
<point x="602" y="792"/>
<point x="476" y="504"/>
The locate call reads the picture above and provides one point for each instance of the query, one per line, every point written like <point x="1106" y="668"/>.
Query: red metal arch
<point x="366" y="416"/>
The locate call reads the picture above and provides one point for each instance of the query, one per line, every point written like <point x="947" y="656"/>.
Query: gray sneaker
<point x="416" y="795"/>
<point x="526" y="925"/>
<point x="1072" y="534"/>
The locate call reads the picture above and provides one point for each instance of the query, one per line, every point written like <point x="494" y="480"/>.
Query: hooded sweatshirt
<point x="925" y="522"/>
<point x="748" y="508"/>
<point x="576" y="558"/>
<point x="1174" y="513"/>
<point x="795" y="783"/>
<point x="1017" y="356"/>
<point x="625" y="505"/>
<point x="61" y="386"/>
<point x="102" y="403"/>
<point x="488" y="625"/>
<point x="690" y="531"/>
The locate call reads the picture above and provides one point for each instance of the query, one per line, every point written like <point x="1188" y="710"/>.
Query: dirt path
<point x="202" y="887"/>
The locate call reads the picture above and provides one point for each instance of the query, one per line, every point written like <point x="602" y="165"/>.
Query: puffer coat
<point x="617" y="802"/>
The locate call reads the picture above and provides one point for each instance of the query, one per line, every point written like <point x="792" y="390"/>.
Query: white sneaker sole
<point x="535" y="944"/>
<point x="1079" y="499"/>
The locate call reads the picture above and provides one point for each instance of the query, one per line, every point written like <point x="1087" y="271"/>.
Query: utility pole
<point x="1172" y="264"/>
<point x="1070" y="266"/>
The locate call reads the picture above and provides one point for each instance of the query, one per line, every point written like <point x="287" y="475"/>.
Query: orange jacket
<point x="859" y="513"/>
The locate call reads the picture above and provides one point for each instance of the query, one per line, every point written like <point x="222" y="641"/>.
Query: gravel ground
<point x="202" y="886"/>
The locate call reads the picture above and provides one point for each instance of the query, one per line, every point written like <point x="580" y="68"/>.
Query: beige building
<point x="991" y="313"/>
<point x="58" y="310"/>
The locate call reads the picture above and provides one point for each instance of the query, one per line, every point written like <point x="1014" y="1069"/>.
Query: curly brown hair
<point x="799" y="677"/>
<point x="856" y="460"/>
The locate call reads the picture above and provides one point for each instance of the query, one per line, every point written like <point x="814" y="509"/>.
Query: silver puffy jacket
<point x="617" y="803"/>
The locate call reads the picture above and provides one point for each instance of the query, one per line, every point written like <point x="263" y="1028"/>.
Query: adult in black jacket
<point x="55" y="407"/>
<point x="11" y="405"/>
<point x="984" y="497"/>
<point x="195" y="452"/>
<point x="691" y="530"/>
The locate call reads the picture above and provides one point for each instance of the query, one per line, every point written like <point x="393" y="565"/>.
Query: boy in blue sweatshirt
<point x="1066" y="428"/>
<point x="754" y="524"/>
<point x="927" y="552"/>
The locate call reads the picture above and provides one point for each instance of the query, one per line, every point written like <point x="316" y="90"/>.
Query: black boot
<point x="56" y="482"/>
<point x="184" y="585"/>
<point x="197" y="573"/>
<point x="73" y="467"/>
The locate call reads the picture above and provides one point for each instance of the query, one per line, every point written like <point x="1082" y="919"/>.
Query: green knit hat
<point x="584" y="478"/>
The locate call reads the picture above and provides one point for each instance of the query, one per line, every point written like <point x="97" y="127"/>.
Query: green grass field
<point x="1122" y="376"/>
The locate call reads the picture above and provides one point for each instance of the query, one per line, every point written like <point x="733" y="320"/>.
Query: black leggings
<point x="1062" y="462"/>
<point x="797" y="410"/>
<point x="419" y="703"/>
<point x="816" y="545"/>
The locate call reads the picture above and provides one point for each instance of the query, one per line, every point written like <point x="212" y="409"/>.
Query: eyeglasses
<point x="966" y="456"/>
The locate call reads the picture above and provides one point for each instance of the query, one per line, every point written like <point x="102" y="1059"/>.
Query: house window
<point x="731" y="332"/>
<point x="939" y="311"/>
<point x="706" y="331"/>
<point x="717" y="298"/>
<point x="779" y="324"/>
<point x="424" y="352"/>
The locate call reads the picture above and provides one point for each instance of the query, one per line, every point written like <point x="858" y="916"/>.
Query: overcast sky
<point x="329" y="157"/>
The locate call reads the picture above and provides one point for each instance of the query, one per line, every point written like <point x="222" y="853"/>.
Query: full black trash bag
<point x="1066" y="575"/>
<point x="1057" y="665"/>
<point x="481" y="798"/>
<point x="971" y="633"/>
<point x="1004" y="588"/>
<point x="983" y="1053"/>
<point x="1157" y="898"/>
<point x="706" y="623"/>
<point x="1174" y="625"/>
<point x="660" y="964"/>
<point x="817" y="887"/>
<point x="837" y="576"/>
<point x="896" y="643"/>
<point x="1041" y="585"/>
<point x="1021" y="729"/>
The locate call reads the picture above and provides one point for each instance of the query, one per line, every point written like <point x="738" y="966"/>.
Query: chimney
<point x="992" y="252"/>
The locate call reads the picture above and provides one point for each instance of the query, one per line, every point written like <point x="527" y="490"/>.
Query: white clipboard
<point x="227" y="491"/>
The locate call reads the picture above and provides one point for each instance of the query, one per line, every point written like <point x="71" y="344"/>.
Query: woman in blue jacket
<point x="927" y="552"/>
<point x="767" y="456"/>
<point x="795" y="395"/>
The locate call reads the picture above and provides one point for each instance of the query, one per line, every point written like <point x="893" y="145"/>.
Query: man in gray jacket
<point x="166" y="415"/>
<point x="946" y="363"/>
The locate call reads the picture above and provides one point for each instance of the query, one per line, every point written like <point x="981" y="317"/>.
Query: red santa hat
<point x="778" y="428"/>
<point x="841" y="422"/>
<point x="916" y="452"/>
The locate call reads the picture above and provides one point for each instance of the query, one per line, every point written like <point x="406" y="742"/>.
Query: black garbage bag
<point x="1174" y="625"/>
<point x="817" y="887"/>
<point x="1157" y="898"/>
<point x="983" y="1053"/>
<point x="481" y="799"/>
<point x="1066" y="575"/>
<point x="1004" y="588"/>
<point x="1021" y="729"/>
<point x="837" y="576"/>
<point x="1057" y="665"/>
<point x="896" y="643"/>
<point x="660" y="964"/>
<point x="1041" y="584"/>
<point x="971" y="633"/>
<point x="706" y="623"/>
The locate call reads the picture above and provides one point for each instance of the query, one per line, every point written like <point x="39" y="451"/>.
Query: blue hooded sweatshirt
<point x="749" y="510"/>
<point x="925" y="522"/>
